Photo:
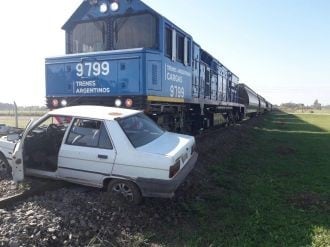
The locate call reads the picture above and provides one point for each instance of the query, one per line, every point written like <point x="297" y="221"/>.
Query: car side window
<point x="89" y="133"/>
<point x="104" y="141"/>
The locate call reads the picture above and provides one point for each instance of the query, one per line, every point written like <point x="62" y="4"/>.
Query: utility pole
<point x="16" y="115"/>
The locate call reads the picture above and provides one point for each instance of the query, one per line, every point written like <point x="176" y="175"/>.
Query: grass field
<point x="22" y="120"/>
<point x="274" y="189"/>
<point x="307" y="111"/>
<point x="8" y="117"/>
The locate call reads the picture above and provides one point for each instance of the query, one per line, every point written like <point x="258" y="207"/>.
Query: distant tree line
<point x="6" y="106"/>
<point x="9" y="110"/>
<point x="10" y="107"/>
<point x="294" y="106"/>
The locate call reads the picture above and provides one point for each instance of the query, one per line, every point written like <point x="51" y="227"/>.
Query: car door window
<point x="104" y="141"/>
<point x="89" y="133"/>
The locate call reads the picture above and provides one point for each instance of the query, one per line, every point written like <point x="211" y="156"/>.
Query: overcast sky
<point x="280" y="48"/>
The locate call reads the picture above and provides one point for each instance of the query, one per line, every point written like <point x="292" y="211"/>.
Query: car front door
<point x="18" y="161"/>
<point x="87" y="155"/>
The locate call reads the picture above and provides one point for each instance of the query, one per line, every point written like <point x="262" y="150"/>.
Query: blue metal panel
<point x="98" y="74"/>
<point x="177" y="80"/>
<point x="128" y="76"/>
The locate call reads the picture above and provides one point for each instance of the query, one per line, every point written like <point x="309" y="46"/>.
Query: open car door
<point x="18" y="161"/>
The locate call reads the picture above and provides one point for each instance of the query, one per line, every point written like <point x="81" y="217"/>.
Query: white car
<point x="120" y="149"/>
<point x="3" y="129"/>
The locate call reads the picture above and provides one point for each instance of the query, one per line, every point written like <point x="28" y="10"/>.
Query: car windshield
<point x="140" y="129"/>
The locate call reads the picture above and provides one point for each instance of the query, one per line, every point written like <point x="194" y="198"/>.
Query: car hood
<point x="169" y="144"/>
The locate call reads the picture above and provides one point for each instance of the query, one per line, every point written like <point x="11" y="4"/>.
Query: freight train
<point x="123" y="53"/>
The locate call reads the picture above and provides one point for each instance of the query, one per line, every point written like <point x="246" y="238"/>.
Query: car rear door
<point x="87" y="155"/>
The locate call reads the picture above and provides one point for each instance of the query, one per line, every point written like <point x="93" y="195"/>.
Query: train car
<point x="269" y="106"/>
<point x="262" y="104"/>
<point x="249" y="98"/>
<point x="123" y="53"/>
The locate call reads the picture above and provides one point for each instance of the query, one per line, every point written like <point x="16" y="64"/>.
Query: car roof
<point x="95" y="112"/>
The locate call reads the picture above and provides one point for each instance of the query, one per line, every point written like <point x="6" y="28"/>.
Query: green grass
<point x="22" y="113"/>
<point x="307" y="111"/>
<point x="22" y="120"/>
<point x="8" y="117"/>
<point x="275" y="188"/>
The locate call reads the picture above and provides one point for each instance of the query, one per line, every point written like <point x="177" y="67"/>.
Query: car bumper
<point x="165" y="188"/>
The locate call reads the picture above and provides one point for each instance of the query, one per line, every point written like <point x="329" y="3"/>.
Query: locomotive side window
<point x="136" y="31"/>
<point x="180" y="47"/>
<point x="89" y="37"/>
<point x="187" y="51"/>
<point x="168" y="42"/>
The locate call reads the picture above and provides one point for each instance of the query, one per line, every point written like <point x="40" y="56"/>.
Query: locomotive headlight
<point x="118" y="102"/>
<point x="114" y="6"/>
<point x="103" y="8"/>
<point x="64" y="103"/>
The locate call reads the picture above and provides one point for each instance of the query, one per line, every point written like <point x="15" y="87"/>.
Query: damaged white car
<point x="119" y="149"/>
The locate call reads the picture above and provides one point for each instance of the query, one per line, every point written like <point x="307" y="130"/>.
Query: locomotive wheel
<point x="125" y="191"/>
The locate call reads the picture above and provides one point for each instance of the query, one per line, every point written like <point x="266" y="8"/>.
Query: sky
<point x="280" y="48"/>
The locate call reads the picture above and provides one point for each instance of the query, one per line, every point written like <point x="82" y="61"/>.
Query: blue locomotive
<point x="123" y="53"/>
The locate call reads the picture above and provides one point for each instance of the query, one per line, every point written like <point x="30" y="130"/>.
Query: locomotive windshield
<point x="89" y="37"/>
<point x="124" y="32"/>
<point x="134" y="32"/>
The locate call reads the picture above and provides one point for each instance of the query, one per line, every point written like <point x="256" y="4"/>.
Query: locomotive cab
<point x="108" y="44"/>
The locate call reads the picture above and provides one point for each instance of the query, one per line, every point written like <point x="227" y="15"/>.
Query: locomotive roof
<point x="95" y="112"/>
<point x="86" y="12"/>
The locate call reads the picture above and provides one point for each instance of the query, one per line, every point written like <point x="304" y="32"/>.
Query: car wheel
<point x="125" y="191"/>
<point x="4" y="166"/>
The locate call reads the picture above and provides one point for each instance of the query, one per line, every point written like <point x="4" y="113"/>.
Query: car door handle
<point x="102" y="156"/>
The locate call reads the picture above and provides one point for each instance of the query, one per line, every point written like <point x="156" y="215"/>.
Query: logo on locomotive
<point x="177" y="78"/>
<point x="88" y="70"/>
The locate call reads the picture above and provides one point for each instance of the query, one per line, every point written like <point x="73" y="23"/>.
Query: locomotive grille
<point x="154" y="74"/>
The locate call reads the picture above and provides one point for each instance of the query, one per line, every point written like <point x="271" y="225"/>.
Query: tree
<point x="317" y="105"/>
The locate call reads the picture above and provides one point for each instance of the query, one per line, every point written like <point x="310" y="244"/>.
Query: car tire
<point x="5" y="169"/>
<point x="124" y="191"/>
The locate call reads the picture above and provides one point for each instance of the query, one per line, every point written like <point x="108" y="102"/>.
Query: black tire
<point x="124" y="191"/>
<point x="5" y="169"/>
